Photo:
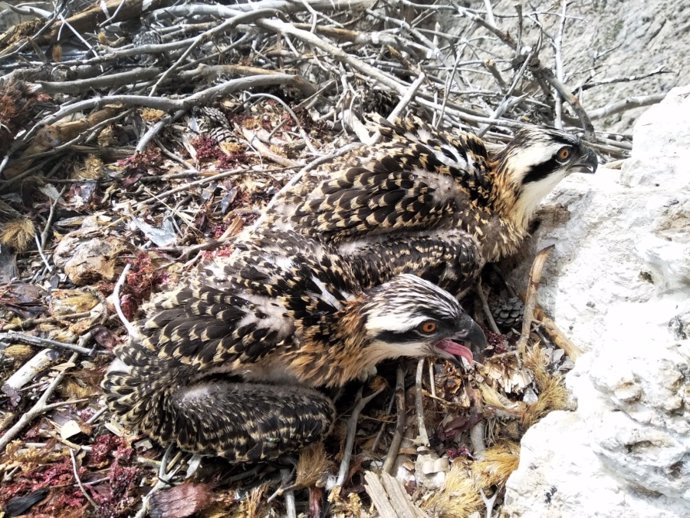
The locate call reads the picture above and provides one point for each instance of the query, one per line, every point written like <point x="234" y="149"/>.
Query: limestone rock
<point x="619" y="284"/>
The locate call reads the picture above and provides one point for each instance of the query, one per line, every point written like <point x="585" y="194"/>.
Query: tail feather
<point x="242" y="422"/>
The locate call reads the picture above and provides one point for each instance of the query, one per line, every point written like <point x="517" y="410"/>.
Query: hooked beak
<point x="475" y="337"/>
<point x="471" y="334"/>
<point x="586" y="164"/>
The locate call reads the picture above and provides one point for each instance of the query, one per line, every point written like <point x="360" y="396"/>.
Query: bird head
<point x="408" y="316"/>
<point x="534" y="162"/>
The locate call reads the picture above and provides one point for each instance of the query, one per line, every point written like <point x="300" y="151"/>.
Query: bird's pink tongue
<point x="455" y="349"/>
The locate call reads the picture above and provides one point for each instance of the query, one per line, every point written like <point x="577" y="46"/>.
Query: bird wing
<point x="240" y="310"/>
<point x="450" y="259"/>
<point x="417" y="178"/>
<point x="205" y="325"/>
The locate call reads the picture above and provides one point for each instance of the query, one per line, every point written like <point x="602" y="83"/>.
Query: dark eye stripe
<point x="392" y="337"/>
<point x="541" y="171"/>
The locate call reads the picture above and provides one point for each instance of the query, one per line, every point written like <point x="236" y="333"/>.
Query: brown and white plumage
<point x="424" y="187"/>
<point x="217" y="359"/>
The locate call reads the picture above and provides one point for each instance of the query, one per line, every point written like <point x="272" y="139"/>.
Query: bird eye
<point x="427" y="327"/>
<point x="564" y="153"/>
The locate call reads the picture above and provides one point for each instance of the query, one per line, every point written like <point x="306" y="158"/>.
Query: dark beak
<point x="586" y="164"/>
<point x="470" y="334"/>
<point x="474" y="337"/>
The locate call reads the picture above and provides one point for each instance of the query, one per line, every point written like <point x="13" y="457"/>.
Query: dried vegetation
<point x="135" y="145"/>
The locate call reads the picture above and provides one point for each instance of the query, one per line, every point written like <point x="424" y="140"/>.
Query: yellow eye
<point x="563" y="153"/>
<point x="427" y="327"/>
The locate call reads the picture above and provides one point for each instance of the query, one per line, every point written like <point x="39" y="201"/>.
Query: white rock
<point x="618" y="283"/>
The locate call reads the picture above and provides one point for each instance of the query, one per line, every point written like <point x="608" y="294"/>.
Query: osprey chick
<point x="429" y="202"/>
<point x="229" y="364"/>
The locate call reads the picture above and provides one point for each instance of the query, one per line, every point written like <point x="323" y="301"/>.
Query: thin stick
<point x="531" y="297"/>
<point x="628" y="103"/>
<point x="186" y="187"/>
<point x="227" y="24"/>
<point x="389" y="463"/>
<point x="13" y="336"/>
<point x="419" y="404"/>
<point x="39" y="407"/>
<point x="488" y="502"/>
<point x="39" y="247"/>
<point x="432" y="380"/>
<point x="118" y="306"/>
<point x="407" y="98"/>
<point x="27" y="372"/>
<point x="489" y="12"/>
<point x="290" y="508"/>
<point x="31" y="322"/>
<point x="556" y="335"/>
<point x="558" y="122"/>
<point x="76" y="477"/>
<point x="351" y="431"/>
<point x="485" y="307"/>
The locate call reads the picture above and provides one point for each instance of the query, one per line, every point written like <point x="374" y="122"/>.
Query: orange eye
<point x="563" y="153"/>
<point x="428" y="327"/>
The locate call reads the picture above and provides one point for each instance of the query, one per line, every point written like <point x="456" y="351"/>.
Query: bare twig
<point x="131" y="330"/>
<point x="556" y="335"/>
<point x="485" y="306"/>
<point x="558" y="43"/>
<point x="394" y="448"/>
<point x="75" y="470"/>
<point x="37" y="364"/>
<point x="488" y="502"/>
<point x="39" y="407"/>
<point x="13" y="336"/>
<point x="628" y="103"/>
<point x="406" y="99"/>
<point x="626" y="79"/>
<point x="289" y="494"/>
<point x="351" y="431"/>
<point x="226" y="25"/>
<point x="419" y="404"/>
<point x="531" y="297"/>
<point x="548" y="76"/>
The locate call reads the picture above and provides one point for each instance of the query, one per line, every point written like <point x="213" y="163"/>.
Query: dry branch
<point x="394" y="447"/>
<point x="626" y="104"/>
<point x="531" y="297"/>
<point x="39" y="407"/>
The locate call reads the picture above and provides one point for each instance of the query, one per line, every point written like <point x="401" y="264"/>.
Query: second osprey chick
<point x="429" y="202"/>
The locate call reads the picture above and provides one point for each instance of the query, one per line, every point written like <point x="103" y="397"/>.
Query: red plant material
<point x="497" y="342"/>
<point x="454" y="453"/>
<point x="118" y="495"/>
<point x="58" y="477"/>
<point x="102" y="447"/>
<point x="206" y="149"/>
<point x="143" y="277"/>
<point x="233" y="159"/>
<point x="129" y="306"/>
